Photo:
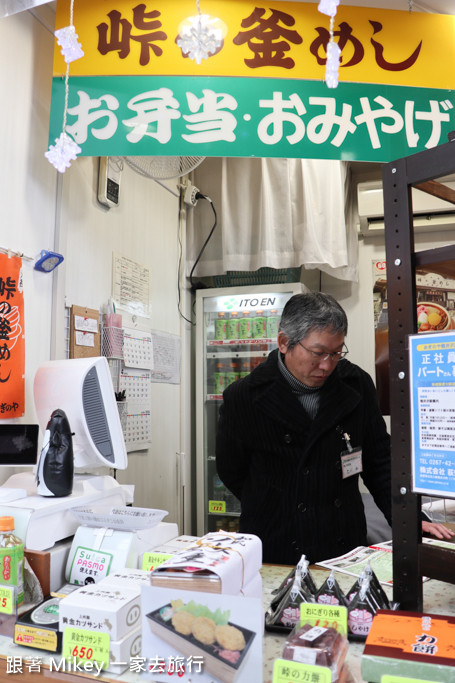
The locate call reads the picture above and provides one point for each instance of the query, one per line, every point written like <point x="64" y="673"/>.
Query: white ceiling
<point x="436" y="6"/>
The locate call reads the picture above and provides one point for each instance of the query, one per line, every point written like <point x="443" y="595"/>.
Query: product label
<point x="284" y="671"/>
<point x="326" y="616"/>
<point x="359" y="621"/>
<point x="233" y="328"/>
<point x="220" y="329"/>
<point x="245" y="331"/>
<point x="36" y="637"/>
<point x="217" y="506"/>
<point x="86" y="646"/>
<point x="12" y="568"/>
<point x="259" y="327"/>
<point x="7" y="599"/>
<point x="152" y="560"/>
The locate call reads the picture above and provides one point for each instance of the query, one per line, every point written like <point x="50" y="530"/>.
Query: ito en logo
<point x="229" y="304"/>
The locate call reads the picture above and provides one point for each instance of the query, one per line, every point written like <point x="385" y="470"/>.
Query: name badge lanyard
<point x="351" y="458"/>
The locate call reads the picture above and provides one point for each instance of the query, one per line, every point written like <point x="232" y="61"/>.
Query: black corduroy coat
<point x="286" y="468"/>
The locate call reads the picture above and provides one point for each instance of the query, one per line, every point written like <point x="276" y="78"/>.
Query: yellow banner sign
<point x="284" y="40"/>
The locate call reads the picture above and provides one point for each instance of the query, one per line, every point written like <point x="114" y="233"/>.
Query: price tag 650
<point x="326" y="616"/>
<point x="86" y="646"/>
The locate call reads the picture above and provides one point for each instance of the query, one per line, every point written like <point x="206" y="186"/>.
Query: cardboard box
<point x="410" y="644"/>
<point x="108" y="609"/>
<point x="175" y="545"/>
<point x="132" y="578"/>
<point x="219" y="562"/>
<point x="121" y="652"/>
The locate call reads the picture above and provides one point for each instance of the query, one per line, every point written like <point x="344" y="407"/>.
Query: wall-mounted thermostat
<point x="109" y="181"/>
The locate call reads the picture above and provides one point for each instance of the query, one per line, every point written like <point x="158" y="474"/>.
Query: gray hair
<point x="304" y="313"/>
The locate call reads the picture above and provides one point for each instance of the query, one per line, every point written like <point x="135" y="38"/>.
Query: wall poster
<point x="435" y="313"/>
<point x="432" y="376"/>
<point x="12" y="341"/>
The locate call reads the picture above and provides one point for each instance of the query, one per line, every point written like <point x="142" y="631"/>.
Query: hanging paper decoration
<point x="332" y="64"/>
<point x="328" y="7"/>
<point x="198" y="36"/>
<point x="63" y="152"/>
<point x="66" y="149"/>
<point x="67" y="38"/>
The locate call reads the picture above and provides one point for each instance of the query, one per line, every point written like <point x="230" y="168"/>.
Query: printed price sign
<point x="152" y="560"/>
<point x="86" y="646"/>
<point x="326" y="616"/>
<point x="7" y="599"/>
<point x="217" y="506"/>
<point x="285" y="671"/>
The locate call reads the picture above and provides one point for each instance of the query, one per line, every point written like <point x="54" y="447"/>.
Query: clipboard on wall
<point x="85" y="336"/>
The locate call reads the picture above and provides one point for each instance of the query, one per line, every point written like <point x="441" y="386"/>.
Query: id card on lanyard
<point x="351" y="458"/>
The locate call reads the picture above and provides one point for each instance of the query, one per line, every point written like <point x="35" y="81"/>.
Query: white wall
<point x="42" y="209"/>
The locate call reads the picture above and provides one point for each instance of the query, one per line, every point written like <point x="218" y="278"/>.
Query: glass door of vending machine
<point x="236" y="328"/>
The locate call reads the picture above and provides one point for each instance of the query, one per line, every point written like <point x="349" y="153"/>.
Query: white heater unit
<point x="429" y="213"/>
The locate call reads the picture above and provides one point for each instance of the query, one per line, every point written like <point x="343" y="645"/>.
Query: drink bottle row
<point x="230" y="370"/>
<point x="247" y="325"/>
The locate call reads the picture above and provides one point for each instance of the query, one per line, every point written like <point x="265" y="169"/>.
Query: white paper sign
<point x="85" y="324"/>
<point x="85" y="339"/>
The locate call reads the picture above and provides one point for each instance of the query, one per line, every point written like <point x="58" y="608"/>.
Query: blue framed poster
<point x="432" y="377"/>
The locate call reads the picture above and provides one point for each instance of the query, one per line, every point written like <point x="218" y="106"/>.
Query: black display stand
<point x="412" y="559"/>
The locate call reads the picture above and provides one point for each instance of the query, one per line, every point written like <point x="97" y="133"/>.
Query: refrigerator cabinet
<point x="236" y="328"/>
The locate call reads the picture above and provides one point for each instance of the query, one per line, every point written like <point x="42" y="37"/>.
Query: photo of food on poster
<point x="206" y="637"/>
<point x="435" y="311"/>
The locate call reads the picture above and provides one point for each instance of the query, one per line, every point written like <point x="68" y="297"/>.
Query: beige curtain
<point x="279" y="213"/>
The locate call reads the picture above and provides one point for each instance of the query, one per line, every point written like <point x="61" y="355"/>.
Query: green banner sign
<point x="240" y="117"/>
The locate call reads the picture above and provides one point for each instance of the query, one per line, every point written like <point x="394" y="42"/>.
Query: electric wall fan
<point x="163" y="168"/>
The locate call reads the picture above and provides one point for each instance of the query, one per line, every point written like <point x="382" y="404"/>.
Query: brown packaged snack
<point x="317" y="645"/>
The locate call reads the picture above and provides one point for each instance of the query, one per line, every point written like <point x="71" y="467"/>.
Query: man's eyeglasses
<point x="323" y="355"/>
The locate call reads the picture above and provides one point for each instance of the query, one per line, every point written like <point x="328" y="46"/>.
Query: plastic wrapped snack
<point x="377" y="593"/>
<point x="284" y="611"/>
<point x="330" y="592"/>
<point x="362" y="609"/>
<point x="317" y="645"/>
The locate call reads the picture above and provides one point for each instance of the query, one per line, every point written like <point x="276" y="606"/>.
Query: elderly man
<point x="295" y="435"/>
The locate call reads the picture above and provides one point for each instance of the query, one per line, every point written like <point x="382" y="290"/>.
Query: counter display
<point x="439" y="598"/>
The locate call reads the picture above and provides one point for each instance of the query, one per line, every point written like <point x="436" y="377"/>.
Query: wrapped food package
<point x="361" y="610"/>
<point x="317" y="645"/>
<point x="330" y="592"/>
<point x="284" y="611"/>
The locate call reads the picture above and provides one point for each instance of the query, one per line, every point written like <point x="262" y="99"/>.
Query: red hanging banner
<point x="12" y="338"/>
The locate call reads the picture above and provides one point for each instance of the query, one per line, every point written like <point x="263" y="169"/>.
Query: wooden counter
<point x="439" y="598"/>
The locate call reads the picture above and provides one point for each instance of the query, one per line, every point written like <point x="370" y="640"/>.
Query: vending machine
<point x="236" y="328"/>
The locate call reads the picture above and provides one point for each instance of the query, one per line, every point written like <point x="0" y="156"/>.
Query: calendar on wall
<point x="137" y="387"/>
<point x="137" y="349"/>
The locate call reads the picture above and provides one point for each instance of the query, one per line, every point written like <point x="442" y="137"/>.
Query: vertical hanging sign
<point x="12" y="344"/>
